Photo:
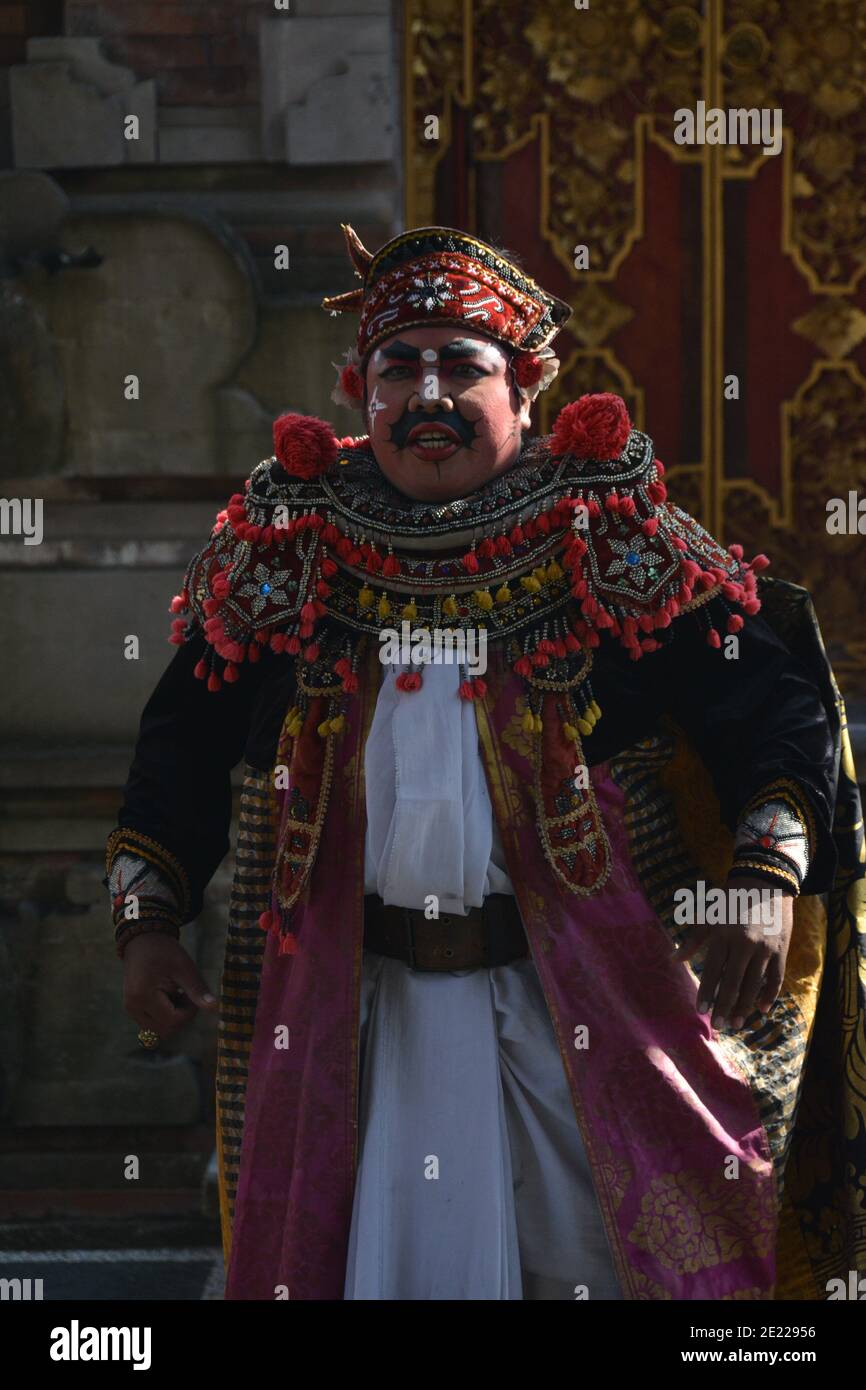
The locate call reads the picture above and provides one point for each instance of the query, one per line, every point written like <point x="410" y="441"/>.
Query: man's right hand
<point x="155" y="968"/>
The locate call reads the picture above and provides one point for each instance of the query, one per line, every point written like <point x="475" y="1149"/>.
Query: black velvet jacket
<point x="753" y="720"/>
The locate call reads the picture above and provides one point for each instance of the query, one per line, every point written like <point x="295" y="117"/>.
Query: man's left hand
<point x="745" y="963"/>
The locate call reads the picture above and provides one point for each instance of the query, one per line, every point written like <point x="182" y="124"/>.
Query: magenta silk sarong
<point x="679" y="1155"/>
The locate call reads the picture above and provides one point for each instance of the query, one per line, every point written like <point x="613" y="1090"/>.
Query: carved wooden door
<point x="723" y="292"/>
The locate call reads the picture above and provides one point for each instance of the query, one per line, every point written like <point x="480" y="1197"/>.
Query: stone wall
<point x="199" y="54"/>
<point x="150" y="259"/>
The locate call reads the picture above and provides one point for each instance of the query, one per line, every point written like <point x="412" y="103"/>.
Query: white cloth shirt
<point x="472" y="1179"/>
<point x="430" y="826"/>
<point x="473" y="1182"/>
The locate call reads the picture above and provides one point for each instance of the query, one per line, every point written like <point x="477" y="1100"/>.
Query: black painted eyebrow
<point x="404" y="351"/>
<point x="462" y="347"/>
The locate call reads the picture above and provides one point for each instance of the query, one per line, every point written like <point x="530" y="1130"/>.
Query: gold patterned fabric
<point x="806" y="1061"/>
<point x="245" y="945"/>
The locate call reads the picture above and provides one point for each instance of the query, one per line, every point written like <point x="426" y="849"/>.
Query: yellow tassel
<point x="324" y="728"/>
<point x="338" y="724"/>
<point x="449" y="607"/>
<point x="292" y="714"/>
<point x="410" y="610"/>
<point x="530" y="583"/>
<point x="540" y="574"/>
<point x="503" y="595"/>
<point x="529" y="722"/>
<point x="366" y="598"/>
<point x="570" y="732"/>
<point x="483" y="598"/>
<point x="384" y="607"/>
<point x="596" y="709"/>
<point x="537" y="725"/>
<point x="584" y="727"/>
<point x="295" y="727"/>
<point x="553" y="571"/>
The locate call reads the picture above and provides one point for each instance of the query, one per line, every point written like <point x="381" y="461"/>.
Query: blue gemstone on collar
<point x="632" y="558"/>
<point x="264" y="588"/>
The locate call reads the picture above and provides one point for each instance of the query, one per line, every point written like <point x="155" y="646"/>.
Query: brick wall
<point x="200" y="52"/>
<point x="22" y="21"/>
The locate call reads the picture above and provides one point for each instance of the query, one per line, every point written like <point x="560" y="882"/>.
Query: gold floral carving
<point x="588" y="76"/>
<point x="588" y="89"/>
<point x="834" y="326"/>
<point x="597" y="314"/>
<point x="808" y="58"/>
<point x="825" y="430"/>
<point x="434" y="75"/>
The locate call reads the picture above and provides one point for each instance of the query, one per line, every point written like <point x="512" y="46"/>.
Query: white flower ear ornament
<point x="534" y="371"/>
<point x="349" y="390"/>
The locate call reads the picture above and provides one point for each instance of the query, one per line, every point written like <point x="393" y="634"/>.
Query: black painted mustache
<point x="451" y="419"/>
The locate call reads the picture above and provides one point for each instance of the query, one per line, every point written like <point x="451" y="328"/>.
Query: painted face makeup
<point x="443" y="413"/>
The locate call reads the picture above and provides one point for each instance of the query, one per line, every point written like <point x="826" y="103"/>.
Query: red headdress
<point x="441" y="275"/>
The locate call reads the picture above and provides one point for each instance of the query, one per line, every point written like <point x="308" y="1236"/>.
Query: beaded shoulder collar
<point x="576" y="541"/>
<point x="361" y="498"/>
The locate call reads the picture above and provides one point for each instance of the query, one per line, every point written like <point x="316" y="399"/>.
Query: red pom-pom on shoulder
<point x="305" y="446"/>
<point x="594" y="427"/>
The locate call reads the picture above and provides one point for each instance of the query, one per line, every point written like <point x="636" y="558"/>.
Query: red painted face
<point x="443" y="412"/>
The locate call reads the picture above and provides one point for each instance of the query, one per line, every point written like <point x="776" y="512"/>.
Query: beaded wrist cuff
<point x="131" y="847"/>
<point x="143" y="899"/>
<point x="775" y="836"/>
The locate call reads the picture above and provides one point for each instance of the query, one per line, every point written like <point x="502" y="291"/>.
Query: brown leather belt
<point x="486" y="936"/>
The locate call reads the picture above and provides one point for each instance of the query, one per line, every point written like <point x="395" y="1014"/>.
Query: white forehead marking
<point x="429" y="354"/>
